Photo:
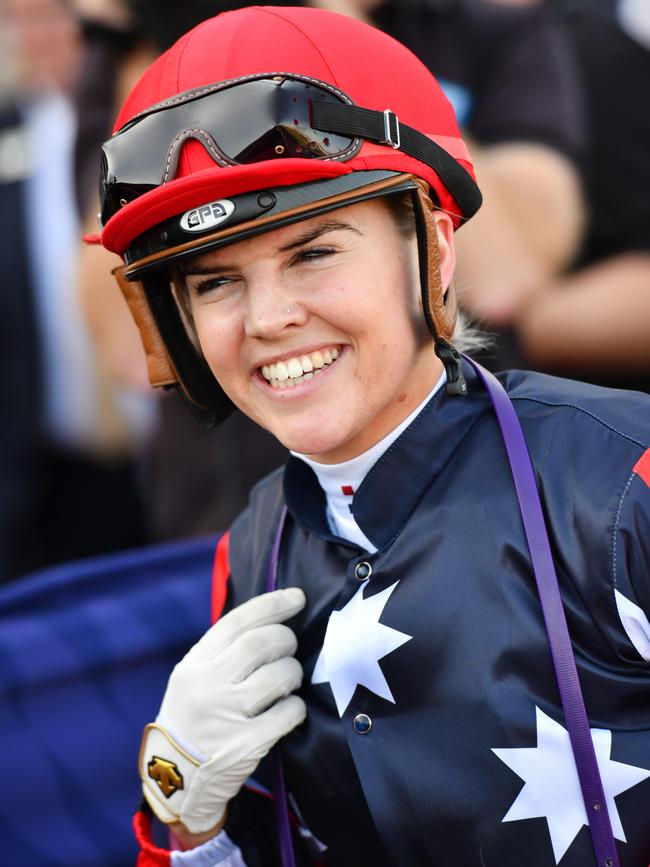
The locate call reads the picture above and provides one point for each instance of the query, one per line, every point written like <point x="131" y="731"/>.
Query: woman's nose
<point x="271" y="308"/>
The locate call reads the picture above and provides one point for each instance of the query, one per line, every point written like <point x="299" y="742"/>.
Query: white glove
<point x="227" y="703"/>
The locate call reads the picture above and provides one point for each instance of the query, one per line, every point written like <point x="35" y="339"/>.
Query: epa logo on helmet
<point x="207" y="216"/>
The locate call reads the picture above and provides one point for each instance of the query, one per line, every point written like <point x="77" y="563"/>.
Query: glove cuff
<point x="167" y="771"/>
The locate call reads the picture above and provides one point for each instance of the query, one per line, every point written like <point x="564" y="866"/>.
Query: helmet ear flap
<point x="172" y="358"/>
<point x="160" y="369"/>
<point x="440" y="307"/>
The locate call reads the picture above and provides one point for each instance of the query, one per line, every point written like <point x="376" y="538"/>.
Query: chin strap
<point x="452" y="361"/>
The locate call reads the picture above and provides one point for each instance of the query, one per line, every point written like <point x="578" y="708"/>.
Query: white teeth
<point x="294" y="367"/>
<point x="293" y="371"/>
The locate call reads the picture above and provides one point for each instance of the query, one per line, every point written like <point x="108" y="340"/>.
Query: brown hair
<point x="401" y="210"/>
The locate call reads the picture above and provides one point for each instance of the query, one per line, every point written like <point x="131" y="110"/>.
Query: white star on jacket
<point x="354" y="643"/>
<point x="552" y="788"/>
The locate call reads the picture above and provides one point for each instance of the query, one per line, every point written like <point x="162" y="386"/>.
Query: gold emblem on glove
<point x="166" y="774"/>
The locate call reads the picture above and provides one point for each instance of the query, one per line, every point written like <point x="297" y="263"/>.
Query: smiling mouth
<point x="300" y="368"/>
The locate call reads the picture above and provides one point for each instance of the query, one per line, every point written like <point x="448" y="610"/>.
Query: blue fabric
<point x="85" y="652"/>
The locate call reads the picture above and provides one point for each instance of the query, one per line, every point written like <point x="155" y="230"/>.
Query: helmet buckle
<point x="388" y="136"/>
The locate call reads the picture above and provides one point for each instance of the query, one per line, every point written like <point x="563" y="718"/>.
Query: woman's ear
<point x="445" y="229"/>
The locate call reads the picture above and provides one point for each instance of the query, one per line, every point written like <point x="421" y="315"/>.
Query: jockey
<point x="283" y="186"/>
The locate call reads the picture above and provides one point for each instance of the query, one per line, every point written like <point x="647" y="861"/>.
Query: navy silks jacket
<point x="467" y="758"/>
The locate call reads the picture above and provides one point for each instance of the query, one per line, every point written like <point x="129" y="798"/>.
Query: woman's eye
<point x="313" y="254"/>
<point x="210" y="285"/>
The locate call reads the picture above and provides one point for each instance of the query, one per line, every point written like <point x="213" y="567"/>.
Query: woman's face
<point x="315" y="330"/>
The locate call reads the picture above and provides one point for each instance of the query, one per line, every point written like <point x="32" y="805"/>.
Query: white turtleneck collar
<point x="340" y="481"/>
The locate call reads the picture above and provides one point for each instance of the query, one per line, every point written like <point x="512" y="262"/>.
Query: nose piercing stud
<point x="288" y="310"/>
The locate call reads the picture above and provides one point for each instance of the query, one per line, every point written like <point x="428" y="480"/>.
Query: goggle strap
<point x="386" y="128"/>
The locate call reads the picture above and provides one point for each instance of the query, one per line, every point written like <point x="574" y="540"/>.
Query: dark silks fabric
<point x="474" y="687"/>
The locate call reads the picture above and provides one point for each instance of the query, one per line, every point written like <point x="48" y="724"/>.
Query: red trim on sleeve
<point x="150" y="855"/>
<point x="220" y="575"/>
<point x="642" y="467"/>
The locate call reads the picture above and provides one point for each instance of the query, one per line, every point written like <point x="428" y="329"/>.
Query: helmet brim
<point x="167" y="243"/>
<point x="188" y="192"/>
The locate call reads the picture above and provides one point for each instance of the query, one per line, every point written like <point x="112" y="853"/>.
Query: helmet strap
<point x="452" y="361"/>
<point x="439" y="306"/>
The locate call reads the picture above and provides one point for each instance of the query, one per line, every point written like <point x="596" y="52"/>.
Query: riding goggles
<point x="276" y="124"/>
<point x="285" y="116"/>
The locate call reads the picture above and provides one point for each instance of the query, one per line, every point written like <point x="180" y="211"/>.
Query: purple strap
<point x="555" y="620"/>
<point x="556" y="628"/>
<point x="272" y="573"/>
<point x="280" y="790"/>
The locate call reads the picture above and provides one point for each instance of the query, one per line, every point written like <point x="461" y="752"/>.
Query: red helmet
<point x="261" y="117"/>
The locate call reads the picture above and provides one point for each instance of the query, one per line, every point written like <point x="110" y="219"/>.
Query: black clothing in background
<point x="20" y="385"/>
<point x="197" y="480"/>
<point x="615" y="73"/>
<point x="55" y="504"/>
<point x="513" y="63"/>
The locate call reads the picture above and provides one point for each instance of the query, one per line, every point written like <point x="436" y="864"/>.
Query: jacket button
<point x="362" y="724"/>
<point x="362" y="571"/>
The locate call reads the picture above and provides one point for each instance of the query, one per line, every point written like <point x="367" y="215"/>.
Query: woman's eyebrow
<point x="316" y="232"/>
<point x="197" y="270"/>
<point x="305" y="238"/>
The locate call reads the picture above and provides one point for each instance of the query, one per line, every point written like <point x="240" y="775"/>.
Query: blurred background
<point x="552" y="96"/>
